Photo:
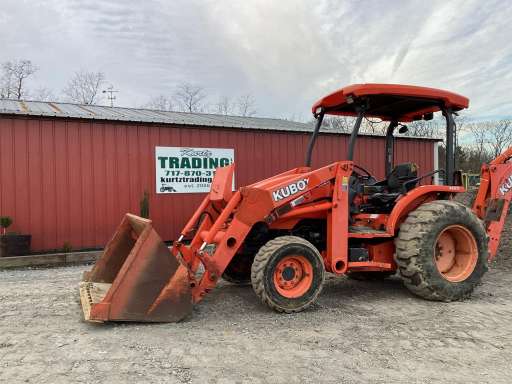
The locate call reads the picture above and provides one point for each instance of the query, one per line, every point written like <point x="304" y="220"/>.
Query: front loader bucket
<point x="136" y="279"/>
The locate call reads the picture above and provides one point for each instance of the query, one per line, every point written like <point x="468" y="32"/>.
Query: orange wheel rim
<point x="455" y="253"/>
<point x="293" y="276"/>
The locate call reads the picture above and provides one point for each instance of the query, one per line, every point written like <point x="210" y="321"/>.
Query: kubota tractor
<point x="283" y="233"/>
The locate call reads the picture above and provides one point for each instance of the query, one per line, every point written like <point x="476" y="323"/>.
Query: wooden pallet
<point x="92" y="293"/>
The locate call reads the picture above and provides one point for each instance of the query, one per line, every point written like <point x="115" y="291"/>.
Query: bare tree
<point x="490" y="138"/>
<point x="297" y="117"/>
<point x="160" y="103"/>
<point x="246" y="105"/>
<point x="345" y="124"/>
<point x="190" y="97"/>
<point x="373" y="126"/>
<point x="43" y="94"/>
<point x="425" y="128"/>
<point x="500" y="136"/>
<point x="462" y="122"/>
<point x="339" y="123"/>
<point x="461" y="126"/>
<point x="479" y="132"/>
<point x="84" y="87"/>
<point x="13" y="78"/>
<point x="435" y="127"/>
<point x="224" y="106"/>
<point x="6" y="83"/>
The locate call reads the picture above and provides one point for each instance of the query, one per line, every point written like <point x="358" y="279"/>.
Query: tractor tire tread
<point x="409" y="242"/>
<point x="260" y="262"/>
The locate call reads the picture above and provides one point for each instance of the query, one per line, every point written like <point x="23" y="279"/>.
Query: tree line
<point x="188" y="97"/>
<point x="476" y="141"/>
<point x="87" y="87"/>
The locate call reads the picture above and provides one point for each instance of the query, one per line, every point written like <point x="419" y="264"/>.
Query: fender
<point x="413" y="199"/>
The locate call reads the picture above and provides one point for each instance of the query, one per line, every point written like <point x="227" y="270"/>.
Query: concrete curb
<point x="54" y="259"/>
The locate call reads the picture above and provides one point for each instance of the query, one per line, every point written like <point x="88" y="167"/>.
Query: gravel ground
<point x="359" y="332"/>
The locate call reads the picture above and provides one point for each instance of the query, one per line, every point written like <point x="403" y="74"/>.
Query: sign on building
<point x="188" y="170"/>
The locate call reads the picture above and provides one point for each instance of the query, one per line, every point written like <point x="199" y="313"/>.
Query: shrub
<point x="67" y="247"/>
<point x="5" y="222"/>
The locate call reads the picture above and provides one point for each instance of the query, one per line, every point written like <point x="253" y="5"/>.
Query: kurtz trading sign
<point x="188" y="170"/>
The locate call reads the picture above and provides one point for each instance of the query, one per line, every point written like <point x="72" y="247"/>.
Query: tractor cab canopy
<point x="390" y="102"/>
<point x="394" y="103"/>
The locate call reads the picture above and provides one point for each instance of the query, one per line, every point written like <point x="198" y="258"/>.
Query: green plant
<point x="67" y="247"/>
<point x="144" y="205"/>
<point x="5" y="222"/>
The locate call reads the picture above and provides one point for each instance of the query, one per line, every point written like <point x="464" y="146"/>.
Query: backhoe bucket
<point x="136" y="279"/>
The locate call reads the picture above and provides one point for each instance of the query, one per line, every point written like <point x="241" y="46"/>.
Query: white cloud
<point x="287" y="53"/>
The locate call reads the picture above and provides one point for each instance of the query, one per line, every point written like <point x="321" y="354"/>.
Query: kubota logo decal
<point x="290" y="189"/>
<point x="506" y="186"/>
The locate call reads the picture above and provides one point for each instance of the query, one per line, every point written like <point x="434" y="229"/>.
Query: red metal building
<point x="68" y="173"/>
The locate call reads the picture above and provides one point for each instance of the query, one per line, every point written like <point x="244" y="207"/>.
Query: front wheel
<point x="288" y="274"/>
<point x="441" y="251"/>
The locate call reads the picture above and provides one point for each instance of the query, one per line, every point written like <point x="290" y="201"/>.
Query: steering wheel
<point x="358" y="168"/>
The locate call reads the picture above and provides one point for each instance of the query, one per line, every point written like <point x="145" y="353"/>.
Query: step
<point x="360" y="231"/>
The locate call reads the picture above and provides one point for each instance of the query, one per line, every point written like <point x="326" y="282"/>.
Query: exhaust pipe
<point x="136" y="279"/>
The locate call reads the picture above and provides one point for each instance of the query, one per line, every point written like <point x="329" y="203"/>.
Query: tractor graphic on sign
<point x="167" y="188"/>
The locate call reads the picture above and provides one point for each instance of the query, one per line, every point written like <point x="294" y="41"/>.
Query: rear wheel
<point x="288" y="274"/>
<point x="441" y="251"/>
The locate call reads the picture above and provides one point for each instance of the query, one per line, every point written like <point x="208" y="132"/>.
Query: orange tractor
<point x="284" y="233"/>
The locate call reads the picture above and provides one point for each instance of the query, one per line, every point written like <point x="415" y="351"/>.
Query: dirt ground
<point x="359" y="332"/>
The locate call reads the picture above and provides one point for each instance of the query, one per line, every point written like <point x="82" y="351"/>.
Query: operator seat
<point x="400" y="180"/>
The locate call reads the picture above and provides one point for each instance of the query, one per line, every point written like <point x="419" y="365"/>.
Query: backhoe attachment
<point x="493" y="197"/>
<point x="136" y="279"/>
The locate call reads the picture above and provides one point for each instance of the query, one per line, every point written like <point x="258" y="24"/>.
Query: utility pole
<point x="110" y="94"/>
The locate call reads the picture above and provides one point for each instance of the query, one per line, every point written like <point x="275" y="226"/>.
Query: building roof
<point x="98" y="112"/>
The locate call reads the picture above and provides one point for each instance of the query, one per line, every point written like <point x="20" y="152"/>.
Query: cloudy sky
<point x="286" y="53"/>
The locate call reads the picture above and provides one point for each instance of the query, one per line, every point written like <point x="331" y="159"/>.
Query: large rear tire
<point x="288" y="274"/>
<point x="441" y="251"/>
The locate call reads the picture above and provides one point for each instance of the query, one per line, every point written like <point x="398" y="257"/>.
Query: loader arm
<point x="227" y="221"/>
<point x="492" y="201"/>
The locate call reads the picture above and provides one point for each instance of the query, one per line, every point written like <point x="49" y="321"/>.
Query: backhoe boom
<point x="492" y="200"/>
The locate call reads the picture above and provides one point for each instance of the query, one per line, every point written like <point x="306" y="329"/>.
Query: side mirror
<point x="403" y="128"/>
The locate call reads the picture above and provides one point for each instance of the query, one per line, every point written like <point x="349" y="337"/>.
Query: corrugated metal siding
<point x="65" y="180"/>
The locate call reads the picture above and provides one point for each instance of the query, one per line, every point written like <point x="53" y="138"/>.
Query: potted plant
<point x="11" y="243"/>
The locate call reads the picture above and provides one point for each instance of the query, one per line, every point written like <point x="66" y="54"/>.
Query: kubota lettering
<point x="290" y="189"/>
<point x="506" y="186"/>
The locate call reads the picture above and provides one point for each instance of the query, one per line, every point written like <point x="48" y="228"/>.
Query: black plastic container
<point x="14" y="245"/>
